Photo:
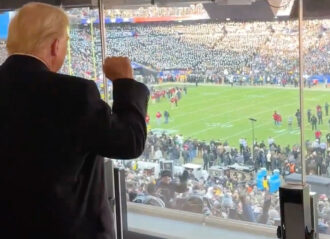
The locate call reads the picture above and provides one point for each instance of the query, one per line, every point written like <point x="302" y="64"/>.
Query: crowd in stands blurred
<point x="147" y="12"/>
<point x="219" y="197"/>
<point x="153" y="11"/>
<point x="267" y="154"/>
<point x="207" y="51"/>
<point x="252" y="52"/>
<point x="224" y="196"/>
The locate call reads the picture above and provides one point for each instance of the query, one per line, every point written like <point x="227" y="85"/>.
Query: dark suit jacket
<point x="52" y="127"/>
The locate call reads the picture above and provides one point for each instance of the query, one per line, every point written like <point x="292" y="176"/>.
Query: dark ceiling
<point x="13" y="4"/>
<point x="312" y="8"/>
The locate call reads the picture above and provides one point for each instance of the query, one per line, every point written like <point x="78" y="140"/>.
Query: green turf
<point x="221" y="113"/>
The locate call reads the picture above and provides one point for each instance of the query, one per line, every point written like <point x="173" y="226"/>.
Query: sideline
<point x="288" y="87"/>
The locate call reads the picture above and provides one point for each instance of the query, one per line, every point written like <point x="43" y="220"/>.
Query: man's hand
<point x="117" y="67"/>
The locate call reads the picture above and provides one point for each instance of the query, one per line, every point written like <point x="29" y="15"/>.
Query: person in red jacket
<point x="158" y="117"/>
<point x="292" y="167"/>
<point x="275" y="117"/>
<point x="147" y="119"/>
<point x="153" y="98"/>
<point x="172" y="102"/>
<point x="318" y="134"/>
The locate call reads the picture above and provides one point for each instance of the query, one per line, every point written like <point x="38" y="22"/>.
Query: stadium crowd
<point x="224" y="196"/>
<point x="227" y="196"/>
<point x="207" y="51"/>
<point x="266" y="154"/>
<point x="153" y="11"/>
<point x="146" y="12"/>
<point x="252" y="52"/>
<point x="219" y="197"/>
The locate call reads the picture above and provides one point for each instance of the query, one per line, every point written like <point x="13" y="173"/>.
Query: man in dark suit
<point x="54" y="130"/>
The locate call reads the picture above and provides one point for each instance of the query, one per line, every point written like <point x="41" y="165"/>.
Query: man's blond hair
<point x="35" y="25"/>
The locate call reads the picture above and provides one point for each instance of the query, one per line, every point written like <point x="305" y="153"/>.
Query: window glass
<point x="4" y="22"/>
<point x="316" y="40"/>
<point x="3" y="51"/>
<point x="223" y="115"/>
<point x="216" y="87"/>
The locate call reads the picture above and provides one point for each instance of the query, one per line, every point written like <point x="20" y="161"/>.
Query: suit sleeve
<point x="121" y="132"/>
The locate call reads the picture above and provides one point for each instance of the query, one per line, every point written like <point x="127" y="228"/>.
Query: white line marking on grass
<point x="293" y="132"/>
<point x="210" y="93"/>
<point x="257" y="126"/>
<point x="233" y="135"/>
<point x="224" y="113"/>
<point x="160" y="131"/>
<point x="208" y="100"/>
<point x="278" y="131"/>
<point x="217" y="105"/>
<point x="230" y="96"/>
<point x="221" y="125"/>
<point x="256" y="96"/>
<point x="247" y="130"/>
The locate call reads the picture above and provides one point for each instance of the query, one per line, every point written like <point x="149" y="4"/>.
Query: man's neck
<point x="34" y="56"/>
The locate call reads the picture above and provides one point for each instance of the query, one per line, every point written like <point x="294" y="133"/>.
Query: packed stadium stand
<point x="267" y="49"/>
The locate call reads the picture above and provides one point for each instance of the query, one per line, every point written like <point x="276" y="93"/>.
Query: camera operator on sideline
<point x="166" y="187"/>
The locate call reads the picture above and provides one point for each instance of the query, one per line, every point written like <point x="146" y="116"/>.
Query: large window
<point x="219" y="87"/>
<point x="224" y="107"/>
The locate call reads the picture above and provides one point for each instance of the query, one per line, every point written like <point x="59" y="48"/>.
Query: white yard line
<point x="220" y="114"/>
<point x="216" y="105"/>
<point x="247" y="130"/>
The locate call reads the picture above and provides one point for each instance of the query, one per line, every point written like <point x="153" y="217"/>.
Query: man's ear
<point x="54" y="47"/>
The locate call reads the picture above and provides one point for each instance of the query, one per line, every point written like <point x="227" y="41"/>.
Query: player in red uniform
<point x="275" y="117"/>
<point x="158" y="117"/>
<point x="147" y="119"/>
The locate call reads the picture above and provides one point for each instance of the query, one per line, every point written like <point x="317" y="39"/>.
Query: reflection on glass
<point x="216" y="87"/>
<point x="218" y="84"/>
<point x="4" y="22"/>
<point x="207" y="80"/>
<point x="3" y="51"/>
<point x="223" y="116"/>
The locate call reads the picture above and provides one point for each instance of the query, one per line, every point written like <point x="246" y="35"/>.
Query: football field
<point x="210" y="112"/>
